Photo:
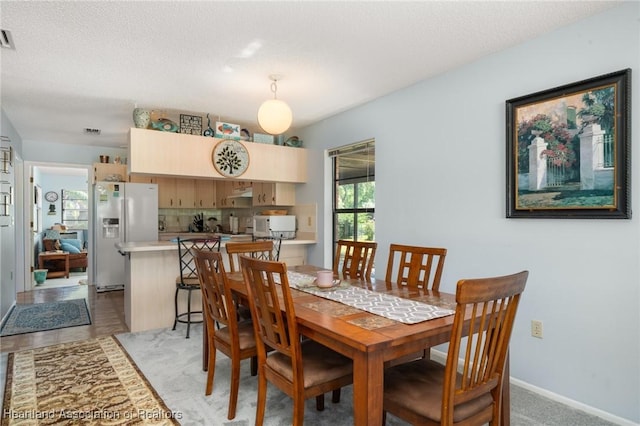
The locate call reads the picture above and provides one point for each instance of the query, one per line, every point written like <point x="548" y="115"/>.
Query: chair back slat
<point x="262" y="250"/>
<point x="491" y="305"/>
<point x="218" y="299"/>
<point x="277" y="244"/>
<point x="186" y="246"/>
<point x="416" y="266"/>
<point x="354" y="259"/>
<point x="276" y="329"/>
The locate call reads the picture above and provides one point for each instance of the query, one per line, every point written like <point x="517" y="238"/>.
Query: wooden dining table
<point x="368" y="339"/>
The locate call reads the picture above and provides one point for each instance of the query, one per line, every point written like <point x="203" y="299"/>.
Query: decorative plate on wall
<point x="230" y="158"/>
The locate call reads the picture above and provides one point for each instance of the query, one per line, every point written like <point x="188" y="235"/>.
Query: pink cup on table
<point x="325" y="279"/>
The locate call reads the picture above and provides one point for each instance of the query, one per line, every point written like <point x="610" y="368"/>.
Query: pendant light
<point x="274" y="115"/>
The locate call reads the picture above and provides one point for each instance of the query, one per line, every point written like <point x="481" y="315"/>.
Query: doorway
<point x="47" y="183"/>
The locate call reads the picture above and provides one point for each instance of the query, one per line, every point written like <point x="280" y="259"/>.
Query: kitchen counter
<point x="151" y="269"/>
<point x="173" y="246"/>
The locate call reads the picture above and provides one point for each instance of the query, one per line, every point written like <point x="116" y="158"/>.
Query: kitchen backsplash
<point x="179" y="220"/>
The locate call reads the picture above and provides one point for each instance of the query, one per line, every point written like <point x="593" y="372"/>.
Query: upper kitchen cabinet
<point x="274" y="194"/>
<point x="206" y="194"/>
<point x="176" y="193"/>
<point x="142" y="179"/>
<point x="175" y="154"/>
<point x="228" y="197"/>
<point x="186" y="193"/>
<point x="166" y="192"/>
<point x="110" y="172"/>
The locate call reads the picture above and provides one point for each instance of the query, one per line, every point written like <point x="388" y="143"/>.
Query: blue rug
<point x="32" y="317"/>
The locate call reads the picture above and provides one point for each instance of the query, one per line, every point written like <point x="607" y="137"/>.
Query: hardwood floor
<point x="106" y="310"/>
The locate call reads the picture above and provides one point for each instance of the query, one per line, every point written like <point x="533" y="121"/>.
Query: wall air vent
<point x="6" y="40"/>
<point x="89" y="131"/>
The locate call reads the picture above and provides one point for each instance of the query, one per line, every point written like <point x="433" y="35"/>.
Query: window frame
<point x="369" y="176"/>
<point x="64" y="198"/>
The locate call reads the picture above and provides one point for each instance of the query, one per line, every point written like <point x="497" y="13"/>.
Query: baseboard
<point x="442" y="358"/>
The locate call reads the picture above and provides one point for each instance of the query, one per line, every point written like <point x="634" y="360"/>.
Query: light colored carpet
<point x="173" y="365"/>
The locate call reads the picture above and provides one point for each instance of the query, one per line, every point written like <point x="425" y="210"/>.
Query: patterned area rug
<point x="92" y="382"/>
<point x="29" y="318"/>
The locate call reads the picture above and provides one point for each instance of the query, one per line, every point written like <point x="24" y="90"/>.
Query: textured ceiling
<point x="80" y="65"/>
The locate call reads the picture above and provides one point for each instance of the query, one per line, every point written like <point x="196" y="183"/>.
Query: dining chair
<point x="300" y="368"/>
<point x="188" y="279"/>
<point x="416" y="266"/>
<point x="468" y="388"/>
<point x="233" y="338"/>
<point x="277" y="244"/>
<point x="419" y="267"/>
<point x="256" y="249"/>
<point x="354" y="259"/>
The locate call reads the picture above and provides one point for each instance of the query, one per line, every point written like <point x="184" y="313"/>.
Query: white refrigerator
<point x="124" y="212"/>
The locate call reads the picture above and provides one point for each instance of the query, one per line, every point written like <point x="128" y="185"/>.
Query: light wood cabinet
<point x="142" y="179"/>
<point x="223" y="189"/>
<point x="186" y="193"/>
<point x="166" y="192"/>
<point x="274" y="194"/>
<point x="225" y="198"/>
<point x="175" y="154"/>
<point x="206" y="194"/>
<point x="108" y="171"/>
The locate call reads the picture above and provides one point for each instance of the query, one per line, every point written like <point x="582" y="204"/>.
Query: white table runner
<point x="392" y="307"/>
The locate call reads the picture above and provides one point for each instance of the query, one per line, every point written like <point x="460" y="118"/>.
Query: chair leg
<point x="320" y="402"/>
<point x="235" y="383"/>
<point x="335" y="396"/>
<point x="211" y="368"/>
<point x="175" y="305"/>
<point x="188" y="312"/>
<point x="298" y="410"/>
<point x="262" y="398"/>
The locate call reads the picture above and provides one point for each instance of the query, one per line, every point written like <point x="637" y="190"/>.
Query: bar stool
<point x="188" y="279"/>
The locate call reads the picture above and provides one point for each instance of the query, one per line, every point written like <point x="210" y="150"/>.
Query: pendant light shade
<point x="274" y="115"/>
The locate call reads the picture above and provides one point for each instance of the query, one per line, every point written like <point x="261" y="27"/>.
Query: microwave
<point x="274" y="226"/>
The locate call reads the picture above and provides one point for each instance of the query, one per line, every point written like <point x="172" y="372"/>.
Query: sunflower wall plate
<point x="230" y="158"/>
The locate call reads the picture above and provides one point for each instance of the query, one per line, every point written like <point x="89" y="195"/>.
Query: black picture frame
<point x="569" y="151"/>
<point x="191" y="124"/>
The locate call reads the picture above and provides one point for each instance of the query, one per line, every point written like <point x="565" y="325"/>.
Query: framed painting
<point x="568" y="150"/>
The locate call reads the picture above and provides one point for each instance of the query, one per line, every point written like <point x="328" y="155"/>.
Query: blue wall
<point x="56" y="183"/>
<point x="440" y="181"/>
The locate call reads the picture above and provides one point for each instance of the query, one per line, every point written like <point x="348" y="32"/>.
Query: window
<point x="75" y="209"/>
<point x="354" y="195"/>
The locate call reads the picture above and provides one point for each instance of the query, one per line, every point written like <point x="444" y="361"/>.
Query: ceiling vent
<point x="6" y="41"/>
<point x="89" y="131"/>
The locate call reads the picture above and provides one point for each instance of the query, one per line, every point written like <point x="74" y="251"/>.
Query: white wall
<point x="11" y="235"/>
<point x="440" y="181"/>
<point x="48" y="152"/>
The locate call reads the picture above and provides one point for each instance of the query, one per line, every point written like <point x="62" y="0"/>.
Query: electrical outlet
<point x="536" y="328"/>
